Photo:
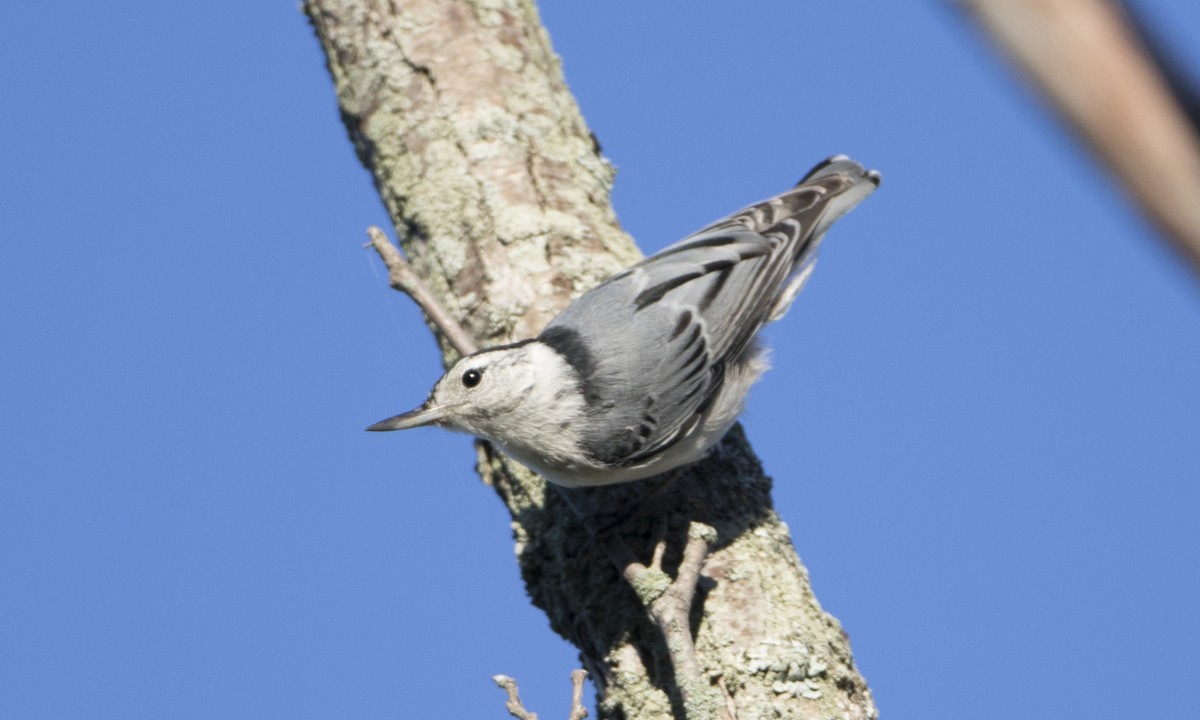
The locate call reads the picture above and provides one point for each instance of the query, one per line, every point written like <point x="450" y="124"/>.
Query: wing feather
<point x="661" y="333"/>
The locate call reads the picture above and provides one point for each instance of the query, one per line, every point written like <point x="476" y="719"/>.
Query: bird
<point x="646" y="372"/>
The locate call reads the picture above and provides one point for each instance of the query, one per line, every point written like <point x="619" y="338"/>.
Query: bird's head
<point x="483" y="394"/>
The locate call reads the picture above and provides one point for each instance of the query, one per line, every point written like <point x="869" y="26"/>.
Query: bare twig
<point x="517" y="710"/>
<point x="660" y="544"/>
<point x="403" y="278"/>
<point x="578" y="711"/>
<point x="1092" y="68"/>
<point x="669" y="603"/>
<point x="730" y="705"/>
<point x="513" y="705"/>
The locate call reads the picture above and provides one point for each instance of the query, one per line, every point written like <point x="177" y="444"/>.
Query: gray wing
<point x="651" y="343"/>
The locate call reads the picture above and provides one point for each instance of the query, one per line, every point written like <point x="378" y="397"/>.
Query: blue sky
<point x="982" y="420"/>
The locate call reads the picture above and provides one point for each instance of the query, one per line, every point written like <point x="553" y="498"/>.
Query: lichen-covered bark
<point x="501" y="201"/>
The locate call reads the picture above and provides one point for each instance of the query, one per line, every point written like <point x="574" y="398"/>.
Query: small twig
<point x="513" y="705"/>
<point x="669" y="603"/>
<point x="730" y="705"/>
<point x="578" y="711"/>
<point x="517" y="710"/>
<point x="660" y="544"/>
<point x="683" y="589"/>
<point x="403" y="278"/>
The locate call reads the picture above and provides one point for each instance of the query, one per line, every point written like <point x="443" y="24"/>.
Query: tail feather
<point x="865" y="183"/>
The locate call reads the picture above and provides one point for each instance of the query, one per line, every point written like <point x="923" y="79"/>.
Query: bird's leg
<point x="403" y="278"/>
<point x="603" y="518"/>
<point x="653" y="498"/>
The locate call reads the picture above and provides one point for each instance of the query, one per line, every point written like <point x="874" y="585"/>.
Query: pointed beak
<point x="423" y="415"/>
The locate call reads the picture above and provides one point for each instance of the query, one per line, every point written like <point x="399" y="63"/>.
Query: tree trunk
<point x="501" y="201"/>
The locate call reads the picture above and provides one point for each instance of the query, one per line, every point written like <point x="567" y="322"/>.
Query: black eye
<point x="472" y="377"/>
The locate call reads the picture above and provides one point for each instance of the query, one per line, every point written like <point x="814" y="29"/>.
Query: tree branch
<point x="1092" y="69"/>
<point x="670" y="606"/>
<point x="1179" y="80"/>
<point x="501" y="203"/>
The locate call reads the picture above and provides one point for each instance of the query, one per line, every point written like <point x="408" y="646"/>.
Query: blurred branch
<point x="1090" y="65"/>
<point x="1181" y="83"/>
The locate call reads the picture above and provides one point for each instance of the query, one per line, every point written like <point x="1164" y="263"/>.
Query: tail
<point x="849" y="183"/>
<point x="864" y="183"/>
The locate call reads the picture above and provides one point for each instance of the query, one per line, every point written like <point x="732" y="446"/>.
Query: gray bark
<point x="501" y="202"/>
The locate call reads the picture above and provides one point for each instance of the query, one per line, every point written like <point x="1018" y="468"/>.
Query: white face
<point x="481" y="390"/>
<point x="473" y="396"/>
<point x="522" y="397"/>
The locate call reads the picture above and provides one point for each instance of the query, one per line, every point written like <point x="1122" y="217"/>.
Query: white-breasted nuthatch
<point x="647" y="371"/>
